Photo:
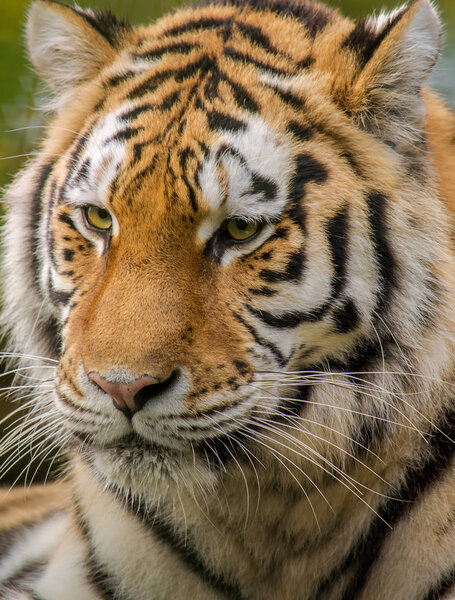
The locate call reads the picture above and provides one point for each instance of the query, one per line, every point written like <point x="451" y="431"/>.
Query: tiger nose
<point x="129" y="397"/>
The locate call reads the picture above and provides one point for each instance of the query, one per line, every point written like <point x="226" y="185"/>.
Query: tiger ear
<point x="396" y="52"/>
<point x="68" y="45"/>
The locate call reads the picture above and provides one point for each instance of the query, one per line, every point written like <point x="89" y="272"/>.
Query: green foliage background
<point x="19" y="86"/>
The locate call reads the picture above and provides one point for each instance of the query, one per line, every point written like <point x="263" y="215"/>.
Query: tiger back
<point x="229" y="275"/>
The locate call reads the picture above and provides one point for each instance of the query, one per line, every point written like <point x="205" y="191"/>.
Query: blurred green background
<point x="19" y="86"/>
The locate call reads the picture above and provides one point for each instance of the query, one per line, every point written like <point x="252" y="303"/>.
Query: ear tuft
<point x="69" y="46"/>
<point x="395" y="53"/>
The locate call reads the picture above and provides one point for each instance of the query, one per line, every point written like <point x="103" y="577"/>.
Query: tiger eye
<point x="98" y="218"/>
<point x="240" y="229"/>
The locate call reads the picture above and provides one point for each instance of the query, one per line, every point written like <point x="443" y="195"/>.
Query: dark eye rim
<point x="104" y="232"/>
<point x="230" y="240"/>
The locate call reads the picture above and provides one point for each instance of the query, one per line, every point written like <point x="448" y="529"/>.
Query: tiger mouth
<point x="127" y="443"/>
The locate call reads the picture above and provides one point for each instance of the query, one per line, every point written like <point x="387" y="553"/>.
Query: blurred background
<point x="19" y="97"/>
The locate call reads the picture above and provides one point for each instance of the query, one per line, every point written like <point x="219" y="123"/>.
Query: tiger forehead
<point x="243" y="171"/>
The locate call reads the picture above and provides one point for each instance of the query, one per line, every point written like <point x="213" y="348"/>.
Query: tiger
<point x="228" y="279"/>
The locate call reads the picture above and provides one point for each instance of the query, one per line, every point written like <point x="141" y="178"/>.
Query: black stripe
<point x="292" y="272"/>
<point x="191" y="558"/>
<point x="24" y="575"/>
<point x="157" y="53"/>
<point x="243" y="57"/>
<point x="263" y="291"/>
<point x="135" y="112"/>
<point x="287" y="97"/>
<point x="64" y="218"/>
<point x="346" y="317"/>
<point x="307" y="170"/>
<point x="58" y="298"/>
<point x="314" y="16"/>
<point x="364" y="40"/>
<point x="49" y="233"/>
<point x="259" y="340"/>
<point x="124" y="134"/>
<point x="416" y="479"/>
<point x="257" y="36"/>
<point x="82" y="173"/>
<point x="97" y="576"/>
<point x="337" y="233"/>
<point x="217" y="120"/>
<point x="195" y="25"/>
<point x="241" y="96"/>
<point x="301" y="132"/>
<point x="287" y="320"/>
<point x="387" y="267"/>
<point x="203" y="64"/>
<point x="105" y="23"/>
<point x="444" y="585"/>
<point x="264" y="186"/>
<point x="169" y="100"/>
<point x="117" y="80"/>
<point x="36" y="212"/>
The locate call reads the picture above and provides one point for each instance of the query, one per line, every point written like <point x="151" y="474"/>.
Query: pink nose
<point x="126" y="396"/>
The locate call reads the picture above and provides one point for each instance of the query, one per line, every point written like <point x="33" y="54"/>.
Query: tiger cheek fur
<point x="231" y="271"/>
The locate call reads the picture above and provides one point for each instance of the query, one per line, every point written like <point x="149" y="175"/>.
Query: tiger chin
<point x="228" y="280"/>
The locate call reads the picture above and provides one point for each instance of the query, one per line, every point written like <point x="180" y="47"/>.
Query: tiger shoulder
<point x="228" y="279"/>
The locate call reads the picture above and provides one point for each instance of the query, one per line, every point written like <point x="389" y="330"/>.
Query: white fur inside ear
<point x="420" y="46"/>
<point x="64" y="48"/>
<point x="399" y="70"/>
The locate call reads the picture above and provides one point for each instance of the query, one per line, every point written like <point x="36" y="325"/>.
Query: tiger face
<point x="226" y="198"/>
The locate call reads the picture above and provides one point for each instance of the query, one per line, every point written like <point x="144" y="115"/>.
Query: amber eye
<point x="98" y="218"/>
<point x="240" y="229"/>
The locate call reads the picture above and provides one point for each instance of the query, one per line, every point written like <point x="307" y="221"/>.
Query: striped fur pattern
<point x="295" y="436"/>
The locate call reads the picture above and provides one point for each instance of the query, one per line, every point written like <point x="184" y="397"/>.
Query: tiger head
<point x="231" y="234"/>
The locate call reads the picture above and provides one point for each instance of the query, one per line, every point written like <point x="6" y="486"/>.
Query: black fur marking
<point x="264" y="186"/>
<point x="64" y="218"/>
<point x="263" y="291"/>
<point x="293" y="271"/>
<point x="315" y="17"/>
<point x="307" y="170"/>
<point x="386" y="262"/>
<point x="106" y="24"/>
<point x="288" y="97"/>
<point x="23" y="576"/>
<point x="157" y="53"/>
<point x="364" y="41"/>
<point x="241" y="96"/>
<point x="417" y="480"/>
<point x="444" y="585"/>
<point x="82" y="173"/>
<point x="259" y="340"/>
<point x="186" y="552"/>
<point x="59" y="298"/>
<point x="117" y="80"/>
<point x="135" y="112"/>
<point x="35" y="217"/>
<point x="257" y="36"/>
<point x="97" y="576"/>
<point x="204" y="64"/>
<point x="198" y="24"/>
<point x="169" y="101"/>
<point x="300" y="132"/>
<point x="337" y="232"/>
<point x="234" y="54"/>
<point x="217" y="121"/>
<point x="306" y="63"/>
<point x="68" y="254"/>
<point x="346" y="318"/>
<point x="124" y="134"/>
<point x="287" y="320"/>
